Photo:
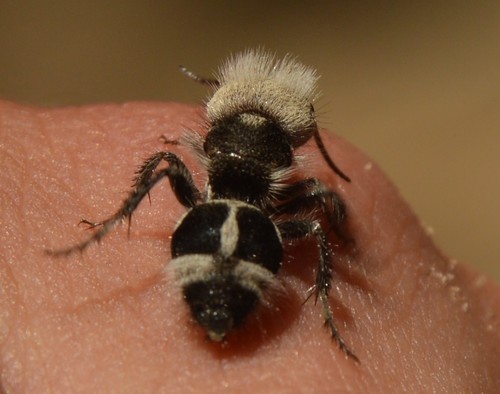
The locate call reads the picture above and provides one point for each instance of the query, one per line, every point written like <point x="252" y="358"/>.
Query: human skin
<point x="112" y="319"/>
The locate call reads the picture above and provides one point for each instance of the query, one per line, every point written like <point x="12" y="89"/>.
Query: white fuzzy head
<point x="281" y="90"/>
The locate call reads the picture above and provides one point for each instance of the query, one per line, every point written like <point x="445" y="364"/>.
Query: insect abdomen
<point x="225" y="254"/>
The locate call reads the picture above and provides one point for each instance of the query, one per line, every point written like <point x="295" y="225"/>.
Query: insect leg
<point x="180" y="180"/>
<point x="306" y="228"/>
<point x="312" y="193"/>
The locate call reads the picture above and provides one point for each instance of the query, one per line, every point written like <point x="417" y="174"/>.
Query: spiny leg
<point x="312" y="193"/>
<point x="180" y="180"/>
<point x="147" y="169"/>
<point x="306" y="228"/>
<point x="195" y="77"/>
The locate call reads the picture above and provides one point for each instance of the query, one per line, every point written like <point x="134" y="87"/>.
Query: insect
<point x="228" y="247"/>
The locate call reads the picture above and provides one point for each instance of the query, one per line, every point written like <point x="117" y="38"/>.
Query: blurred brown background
<point x="415" y="85"/>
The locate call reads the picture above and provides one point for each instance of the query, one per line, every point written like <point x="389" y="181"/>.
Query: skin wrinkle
<point x="8" y="312"/>
<point x="46" y="143"/>
<point x="411" y="288"/>
<point x="411" y="295"/>
<point x="12" y="189"/>
<point x="12" y="201"/>
<point x="119" y="293"/>
<point x="432" y="364"/>
<point x="20" y="375"/>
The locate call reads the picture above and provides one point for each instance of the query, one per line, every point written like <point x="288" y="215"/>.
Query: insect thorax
<point x="244" y="151"/>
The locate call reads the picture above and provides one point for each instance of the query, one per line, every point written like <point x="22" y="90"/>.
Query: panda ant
<point x="228" y="247"/>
